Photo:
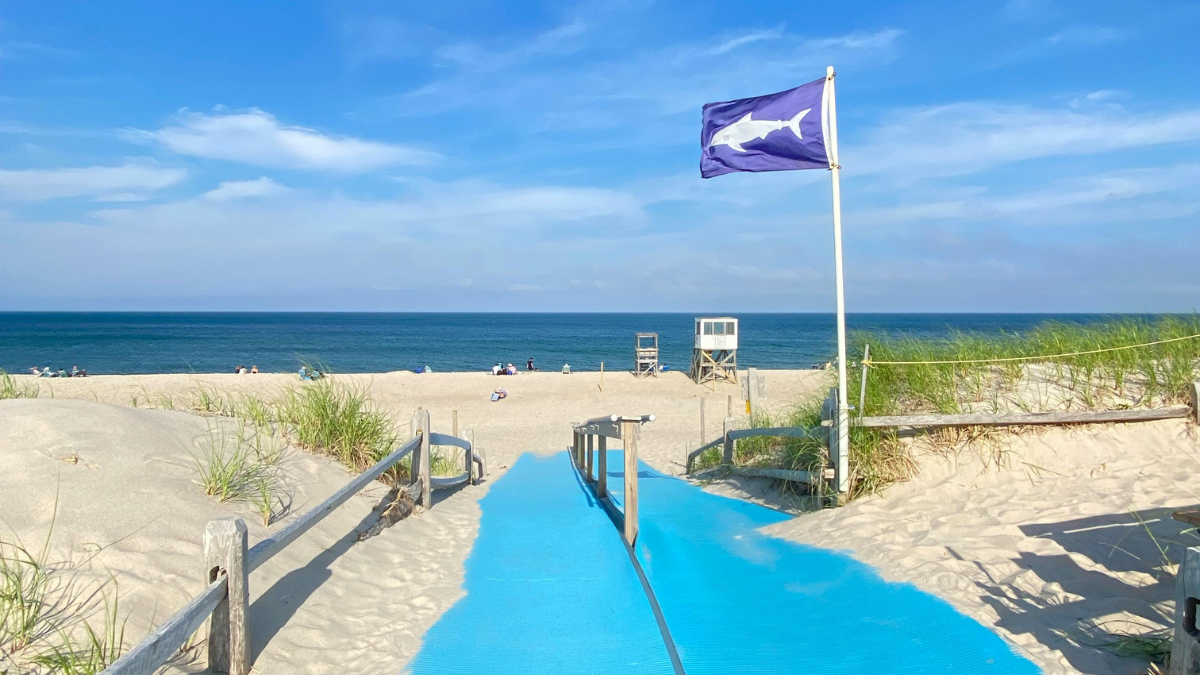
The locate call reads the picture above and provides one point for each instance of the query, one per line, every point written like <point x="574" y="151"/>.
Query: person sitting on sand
<point x="253" y="370"/>
<point x="74" y="371"/>
<point x="511" y="370"/>
<point x="34" y="371"/>
<point x="566" y="369"/>
<point x="499" y="394"/>
<point x="46" y="372"/>
<point x="495" y="368"/>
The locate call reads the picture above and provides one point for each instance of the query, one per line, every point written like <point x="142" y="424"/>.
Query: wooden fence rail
<point x="839" y="461"/>
<point x="626" y="429"/>
<point x="228" y="562"/>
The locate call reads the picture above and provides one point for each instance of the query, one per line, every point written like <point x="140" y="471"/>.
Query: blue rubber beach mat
<point x="550" y="588"/>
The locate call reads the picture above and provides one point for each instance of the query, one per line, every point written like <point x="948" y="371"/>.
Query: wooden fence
<point x="228" y="562"/>
<point x="584" y="446"/>
<point x="839" y="471"/>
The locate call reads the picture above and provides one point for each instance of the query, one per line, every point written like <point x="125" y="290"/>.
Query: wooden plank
<point x="439" y="482"/>
<point x="161" y="645"/>
<point x="588" y="464"/>
<point x="267" y="548"/>
<point x="602" y="468"/>
<point x="1016" y="419"/>
<point x="1190" y="515"/>
<point x="629" y="434"/>
<point x="729" y="441"/>
<point x="228" y="633"/>
<point x="760" y="472"/>
<point x="788" y="432"/>
<point x="445" y="439"/>
<point x="1194" y="399"/>
<point x="424" y="473"/>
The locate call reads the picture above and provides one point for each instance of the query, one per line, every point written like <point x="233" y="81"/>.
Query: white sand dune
<point x="1031" y="549"/>
<point x="1042" y="546"/>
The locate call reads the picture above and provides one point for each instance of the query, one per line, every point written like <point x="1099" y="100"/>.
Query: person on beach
<point x="495" y="368"/>
<point x="74" y="371"/>
<point x="529" y="366"/>
<point x="511" y="370"/>
<point x="253" y="370"/>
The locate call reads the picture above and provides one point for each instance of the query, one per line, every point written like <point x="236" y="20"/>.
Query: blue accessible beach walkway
<point x="551" y="589"/>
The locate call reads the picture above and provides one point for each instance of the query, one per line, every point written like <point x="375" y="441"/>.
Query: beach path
<point x="551" y="589"/>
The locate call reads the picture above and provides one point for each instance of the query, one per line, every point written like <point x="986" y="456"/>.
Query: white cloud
<point x="241" y="189"/>
<point x="107" y="181"/>
<point x="255" y="137"/>
<point x="745" y="39"/>
<point x="964" y="138"/>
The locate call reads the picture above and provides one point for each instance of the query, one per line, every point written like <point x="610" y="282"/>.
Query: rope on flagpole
<point x="871" y="362"/>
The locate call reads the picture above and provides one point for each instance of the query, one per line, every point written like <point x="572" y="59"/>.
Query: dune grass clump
<point x="1111" y="365"/>
<point x="44" y="609"/>
<point x="242" y="468"/>
<point x="11" y="388"/>
<point x="338" y="419"/>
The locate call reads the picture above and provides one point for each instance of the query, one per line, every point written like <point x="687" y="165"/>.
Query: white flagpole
<point x="843" y="408"/>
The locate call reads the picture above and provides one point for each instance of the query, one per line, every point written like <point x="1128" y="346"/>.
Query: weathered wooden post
<point x="420" y="457"/>
<point x="752" y="393"/>
<point x="1194" y="395"/>
<point x="588" y="463"/>
<point x="727" y="427"/>
<point x="1185" y="649"/>
<point x="629" y="432"/>
<point x="602" y="468"/>
<point x="228" y="631"/>
<point x="473" y="458"/>
<point x="728" y="409"/>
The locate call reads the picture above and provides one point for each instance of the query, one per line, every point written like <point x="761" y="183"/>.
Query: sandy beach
<point x="1035" y="537"/>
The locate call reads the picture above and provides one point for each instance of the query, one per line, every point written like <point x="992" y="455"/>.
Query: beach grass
<point x="11" y="388"/>
<point x="44" y="611"/>
<point x="1107" y="367"/>
<point x="229" y="470"/>
<point x="338" y="419"/>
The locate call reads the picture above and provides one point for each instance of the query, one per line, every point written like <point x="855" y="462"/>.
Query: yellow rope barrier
<point x="872" y="362"/>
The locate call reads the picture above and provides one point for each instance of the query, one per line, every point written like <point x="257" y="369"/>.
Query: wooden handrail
<point x="228" y="641"/>
<point x="150" y="654"/>
<point x="626" y="428"/>
<point x="267" y="548"/>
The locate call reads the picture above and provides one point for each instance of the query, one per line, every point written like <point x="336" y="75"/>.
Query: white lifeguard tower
<point x="645" y="355"/>
<point x="714" y="355"/>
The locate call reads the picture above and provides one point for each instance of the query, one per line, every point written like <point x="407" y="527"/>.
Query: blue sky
<point x="1024" y="156"/>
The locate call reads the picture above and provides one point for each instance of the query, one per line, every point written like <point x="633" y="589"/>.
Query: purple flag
<point x="776" y="132"/>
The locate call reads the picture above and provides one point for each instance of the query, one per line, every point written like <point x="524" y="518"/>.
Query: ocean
<point x="163" y="342"/>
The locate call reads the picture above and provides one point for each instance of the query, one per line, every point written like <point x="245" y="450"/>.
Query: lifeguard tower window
<point x="719" y="328"/>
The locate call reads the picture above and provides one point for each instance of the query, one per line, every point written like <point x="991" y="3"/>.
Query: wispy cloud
<point x="733" y="43"/>
<point x="256" y="137"/>
<point x="42" y="184"/>
<point x="242" y="189"/>
<point x="968" y="137"/>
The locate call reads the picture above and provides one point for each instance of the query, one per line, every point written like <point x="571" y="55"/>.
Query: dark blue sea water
<point x="136" y="342"/>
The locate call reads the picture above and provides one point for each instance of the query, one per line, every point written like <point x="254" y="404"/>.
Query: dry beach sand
<point x="1031" y="540"/>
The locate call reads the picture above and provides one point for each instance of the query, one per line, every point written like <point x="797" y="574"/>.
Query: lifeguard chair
<point x="645" y="355"/>
<point x="714" y="355"/>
